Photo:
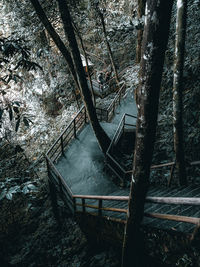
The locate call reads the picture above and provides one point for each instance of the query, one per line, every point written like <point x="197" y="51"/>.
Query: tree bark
<point x="56" y="38"/>
<point x="87" y="65"/>
<point x="156" y="31"/>
<point x="108" y="46"/>
<point x="100" y="134"/>
<point x="177" y="90"/>
<point x="141" y="13"/>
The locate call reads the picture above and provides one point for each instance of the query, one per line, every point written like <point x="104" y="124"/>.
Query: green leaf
<point x="17" y="125"/>
<point x="26" y="122"/>
<point x="30" y="120"/>
<point x="10" y="113"/>
<point x="17" y="103"/>
<point x="16" y="109"/>
<point x="1" y="113"/>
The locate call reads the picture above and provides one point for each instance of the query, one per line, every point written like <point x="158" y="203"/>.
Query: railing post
<point x="123" y="124"/>
<point x="53" y="196"/>
<point x="171" y="173"/>
<point x="75" y="128"/>
<point x="60" y="185"/>
<point x="62" y="145"/>
<point x="74" y="200"/>
<point x="83" y="204"/>
<point x="85" y="116"/>
<point x="100" y="207"/>
<point x="48" y="171"/>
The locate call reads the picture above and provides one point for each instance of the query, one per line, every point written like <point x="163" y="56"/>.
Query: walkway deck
<point x="79" y="175"/>
<point x="83" y="166"/>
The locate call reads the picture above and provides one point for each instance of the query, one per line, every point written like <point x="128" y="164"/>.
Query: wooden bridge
<point x="99" y="205"/>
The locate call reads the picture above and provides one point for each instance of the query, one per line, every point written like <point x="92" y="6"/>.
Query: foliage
<point x="14" y="62"/>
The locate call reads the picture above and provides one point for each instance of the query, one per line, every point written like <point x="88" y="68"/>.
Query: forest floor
<point x="29" y="233"/>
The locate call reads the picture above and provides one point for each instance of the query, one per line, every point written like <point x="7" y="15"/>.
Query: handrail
<point x="112" y="141"/>
<point x="119" y="198"/>
<point x="100" y="205"/>
<point x="60" y="177"/>
<point x="63" y="132"/>
<point x="195" y="162"/>
<point x="130" y="115"/>
<point x="118" y="165"/>
<point x="113" y="105"/>
<point x="119" y="131"/>
<point x="175" y="200"/>
<point x="163" y="165"/>
<point x="171" y="217"/>
<point x="117" y="95"/>
<point x="103" y="208"/>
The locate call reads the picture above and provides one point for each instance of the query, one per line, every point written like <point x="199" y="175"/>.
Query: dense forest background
<point x="38" y="97"/>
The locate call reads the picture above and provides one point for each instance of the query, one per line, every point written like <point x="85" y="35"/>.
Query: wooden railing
<point x="174" y="201"/>
<point x="78" y="123"/>
<point x="111" y="160"/>
<point x="67" y="135"/>
<point x="108" y="113"/>
<point x="71" y="132"/>
<point x="99" y="206"/>
<point x="82" y="203"/>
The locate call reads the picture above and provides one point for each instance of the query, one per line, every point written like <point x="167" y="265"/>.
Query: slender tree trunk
<point x="56" y="38"/>
<point x="108" y="46"/>
<point x="141" y="12"/>
<point x="177" y="90"/>
<point x="45" y="43"/>
<point x="156" y="31"/>
<point x="87" y="65"/>
<point x="101" y="136"/>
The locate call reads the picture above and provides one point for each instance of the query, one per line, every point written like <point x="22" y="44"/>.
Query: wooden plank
<point x="119" y="198"/>
<point x="102" y="208"/>
<point x="128" y="124"/>
<point x="57" y="173"/>
<point x="115" y="210"/>
<point x="129" y="115"/>
<point x="57" y="140"/>
<point x="162" y="165"/>
<point x="195" y="162"/>
<point x="106" y="217"/>
<point x="170" y="217"/>
<point x="174" y="200"/>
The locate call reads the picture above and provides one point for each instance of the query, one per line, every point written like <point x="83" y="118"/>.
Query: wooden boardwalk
<point x="191" y="211"/>
<point x="76" y="170"/>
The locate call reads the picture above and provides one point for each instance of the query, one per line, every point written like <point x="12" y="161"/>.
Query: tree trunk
<point x="108" y="46"/>
<point x="56" y="38"/>
<point x="141" y="12"/>
<point x="156" y="31"/>
<point x="177" y="90"/>
<point x="101" y="136"/>
<point x="87" y="65"/>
